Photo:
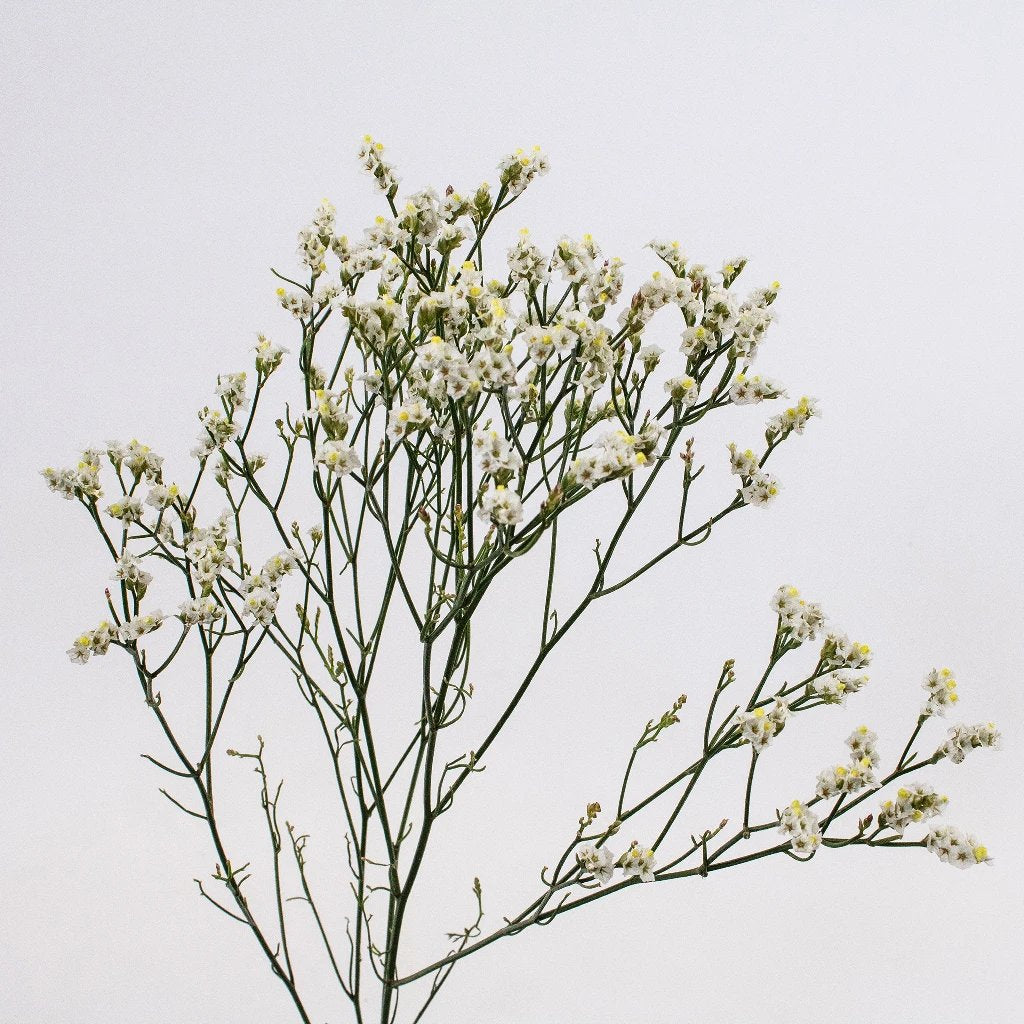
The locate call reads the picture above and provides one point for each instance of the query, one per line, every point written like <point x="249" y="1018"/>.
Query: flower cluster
<point x="202" y="611"/>
<point x="207" y="552"/>
<point x="337" y="458"/>
<point x="371" y="156"/>
<point x="799" y="620"/>
<point x="616" y="454"/>
<point x="941" y="687"/>
<point x="914" y="803"/>
<point x="260" y="589"/>
<point x="637" y="862"/>
<point x="952" y="846"/>
<point x="501" y="506"/>
<point x="93" y="641"/>
<point x="598" y="861"/>
<point x="799" y="824"/>
<point x="750" y="389"/>
<point x="858" y="773"/>
<point x="964" y="738"/>
<point x="518" y="169"/>
<point x="760" y="726"/>
<point x="794" y="419"/>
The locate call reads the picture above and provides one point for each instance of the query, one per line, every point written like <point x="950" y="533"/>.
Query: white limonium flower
<point x="200" y="611"/>
<point x="835" y="687"/>
<point x="743" y="463"/>
<point x="799" y="620"/>
<point x="683" y="390"/>
<point x="500" y="506"/>
<point x="794" y="419"/>
<point x="840" y="652"/>
<point x="671" y="253"/>
<point x="494" y="454"/>
<point x="231" y="387"/>
<point x="749" y="390"/>
<point x="952" y="846"/>
<point x="128" y="569"/>
<point x="760" y="726"/>
<point x="761" y="490"/>
<point x="268" y="355"/>
<point x="406" y="418"/>
<point x="940" y="684"/>
<point x="638" y="862"/>
<point x="965" y="738"/>
<point x="598" y="861"/>
<point x="139" y="625"/>
<point x="94" y="641"/>
<point x="616" y="454"/>
<point x="162" y="496"/>
<point x="128" y="509"/>
<point x="526" y="262"/>
<point x="859" y="772"/>
<point x="328" y="407"/>
<point x="518" y="169"/>
<point x="338" y="458"/>
<point x="915" y="802"/>
<point x="800" y="825"/>
<point x="261" y="604"/>
<point x="371" y="156"/>
<point x="216" y="431"/>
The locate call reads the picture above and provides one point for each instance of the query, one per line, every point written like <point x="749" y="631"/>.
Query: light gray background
<point x="159" y="157"/>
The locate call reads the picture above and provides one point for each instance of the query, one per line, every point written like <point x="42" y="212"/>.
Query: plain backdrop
<point x="159" y="158"/>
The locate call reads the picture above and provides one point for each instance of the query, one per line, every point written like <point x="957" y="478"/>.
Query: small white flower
<point x="597" y="861"/>
<point x="338" y="458"/>
<point x="638" y="862"/>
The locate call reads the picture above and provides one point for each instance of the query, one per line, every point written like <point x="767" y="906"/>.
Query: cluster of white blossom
<point x="127" y="509"/>
<point x="500" y="506"/>
<point x="799" y="620"/>
<point x="638" y="862"/>
<point x="914" y="803"/>
<point x="751" y="389"/>
<point x="518" y="169"/>
<point x="82" y="482"/>
<point x="794" y="419"/>
<point x="941" y="687"/>
<point x="760" y="726"/>
<point x="128" y="570"/>
<point x="683" y="390"/>
<point x="952" y="846"/>
<point x="964" y="738"/>
<point x="526" y="263"/>
<point x="216" y="430"/>
<point x="139" y="625"/>
<point x="268" y="355"/>
<point x="799" y="824"/>
<point x="231" y="389"/>
<point x="139" y="459"/>
<point x="328" y="409"/>
<point x="202" y="611"/>
<point x="371" y="156"/>
<point x="260" y="590"/>
<point x="835" y="687"/>
<point x="615" y="454"/>
<point x="337" y="458"/>
<point x="495" y="455"/>
<point x="94" y="641"/>
<point x="757" y="487"/>
<point x="858" y="773"/>
<point x="207" y="552"/>
<point x="840" y="652"/>
<point x="598" y="861"/>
